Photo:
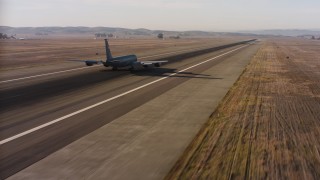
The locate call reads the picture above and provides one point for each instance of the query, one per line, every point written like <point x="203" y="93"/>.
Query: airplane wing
<point x="152" y="62"/>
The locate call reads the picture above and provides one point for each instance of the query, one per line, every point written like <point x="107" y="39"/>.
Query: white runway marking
<point x="46" y="74"/>
<point x="108" y="100"/>
<point x="58" y="72"/>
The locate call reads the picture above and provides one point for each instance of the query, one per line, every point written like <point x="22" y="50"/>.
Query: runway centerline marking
<point x="110" y="99"/>
<point x="69" y="70"/>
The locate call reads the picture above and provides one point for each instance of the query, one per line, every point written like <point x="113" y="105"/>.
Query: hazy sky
<point x="209" y="15"/>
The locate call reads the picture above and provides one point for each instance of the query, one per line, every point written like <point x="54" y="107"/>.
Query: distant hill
<point x="90" y="31"/>
<point x="285" y="32"/>
<point x="124" y="32"/>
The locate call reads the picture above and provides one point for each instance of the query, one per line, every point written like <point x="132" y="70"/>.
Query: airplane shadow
<point x="29" y="94"/>
<point x="165" y="72"/>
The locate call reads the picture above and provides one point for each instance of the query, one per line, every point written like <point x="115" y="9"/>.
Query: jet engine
<point x="91" y="62"/>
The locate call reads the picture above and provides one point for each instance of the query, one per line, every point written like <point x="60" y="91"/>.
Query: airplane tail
<point x="108" y="52"/>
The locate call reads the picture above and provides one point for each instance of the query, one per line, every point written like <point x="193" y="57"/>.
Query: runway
<point x="68" y="66"/>
<point x="117" y="126"/>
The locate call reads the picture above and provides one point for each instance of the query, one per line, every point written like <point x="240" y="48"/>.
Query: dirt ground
<point x="268" y="125"/>
<point x="15" y="54"/>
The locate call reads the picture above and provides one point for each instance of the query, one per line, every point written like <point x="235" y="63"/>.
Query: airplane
<point x="129" y="61"/>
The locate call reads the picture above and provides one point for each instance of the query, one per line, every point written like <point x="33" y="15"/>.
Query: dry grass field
<point x="268" y="125"/>
<point x="15" y="54"/>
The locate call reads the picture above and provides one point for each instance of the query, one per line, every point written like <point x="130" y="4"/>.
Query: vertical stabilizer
<point x="108" y="52"/>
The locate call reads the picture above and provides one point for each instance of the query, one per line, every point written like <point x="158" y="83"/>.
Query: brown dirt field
<point x="24" y="53"/>
<point x="268" y="125"/>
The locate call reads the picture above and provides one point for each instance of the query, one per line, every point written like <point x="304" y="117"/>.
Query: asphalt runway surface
<point x="74" y="100"/>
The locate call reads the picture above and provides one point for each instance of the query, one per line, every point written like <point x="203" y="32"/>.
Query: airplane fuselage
<point x="122" y="61"/>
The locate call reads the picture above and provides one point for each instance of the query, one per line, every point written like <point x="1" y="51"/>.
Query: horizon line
<point x="249" y="30"/>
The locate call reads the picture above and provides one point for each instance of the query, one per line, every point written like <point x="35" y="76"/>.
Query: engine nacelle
<point x="91" y="62"/>
<point x="137" y="66"/>
<point x="105" y="64"/>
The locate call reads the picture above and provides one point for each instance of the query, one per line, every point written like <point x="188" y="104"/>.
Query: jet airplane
<point x="129" y="61"/>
